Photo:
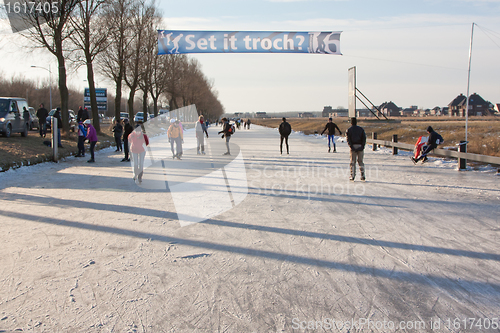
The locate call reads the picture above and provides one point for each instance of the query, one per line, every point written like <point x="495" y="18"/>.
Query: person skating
<point x="127" y="130"/>
<point x="201" y="129"/>
<point x="285" y="129"/>
<point x="356" y="139"/>
<point x="330" y="127"/>
<point x="92" y="137"/>
<point x="175" y="136"/>
<point x="227" y="131"/>
<point x="138" y="141"/>
<point x="433" y="140"/>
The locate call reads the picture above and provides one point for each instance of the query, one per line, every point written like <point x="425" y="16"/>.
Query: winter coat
<point x="82" y="131"/>
<point x="138" y="141"/>
<point x="91" y="133"/>
<point x="174" y="132"/>
<point x="356" y="138"/>
<point x="200" y="129"/>
<point x="128" y="129"/>
<point x="331" y="128"/>
<point x="285" y="129"/>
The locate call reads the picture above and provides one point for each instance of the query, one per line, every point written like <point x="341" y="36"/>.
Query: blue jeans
<point x="332" y="139"/>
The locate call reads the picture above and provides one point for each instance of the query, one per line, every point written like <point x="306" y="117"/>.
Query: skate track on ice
<point x="85" y="249"/>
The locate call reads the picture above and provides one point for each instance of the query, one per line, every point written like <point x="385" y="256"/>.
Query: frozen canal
<point x="257" y="242"/>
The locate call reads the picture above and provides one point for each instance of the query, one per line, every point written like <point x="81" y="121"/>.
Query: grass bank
<point x="483" y="136"/>
<point x="18" y="151"/>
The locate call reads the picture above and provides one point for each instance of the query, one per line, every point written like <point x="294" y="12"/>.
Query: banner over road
<point x="178" y="42"/>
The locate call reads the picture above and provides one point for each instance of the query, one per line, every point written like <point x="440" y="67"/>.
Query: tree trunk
<point x="93" y="98"/>
<point x="63" y="91"/>
<point x="130" y="102"/>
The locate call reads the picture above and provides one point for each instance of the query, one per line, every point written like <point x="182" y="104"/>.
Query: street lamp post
<point x="50" y="82"/>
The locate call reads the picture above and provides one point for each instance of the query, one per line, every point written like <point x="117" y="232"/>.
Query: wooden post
<point x="394" y="140"/>
<point x="374" y="137"/>
<point x="55" y="139"/>
<point x="462" y="162"/>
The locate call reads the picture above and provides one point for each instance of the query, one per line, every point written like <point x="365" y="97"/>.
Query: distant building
<point x="306" y="115"/>
<point x="477" y="106"/>
<point x="326" y="111"/>
<point x="338" y="113"/>
<point x="389" y="109"/>
<point x="436" y="111"/>
<point x="261" y="115"/>
<point x="408" y="112"/>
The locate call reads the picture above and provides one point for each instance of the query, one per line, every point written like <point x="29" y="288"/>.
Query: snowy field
<point x="255" y="242"/>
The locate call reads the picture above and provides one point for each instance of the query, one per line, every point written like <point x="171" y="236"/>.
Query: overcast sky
<point x="410" y="52"/>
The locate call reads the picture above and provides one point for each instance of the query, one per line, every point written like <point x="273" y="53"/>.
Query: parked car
<point x="71" y="118"/>
<point x="123" y="115"/>
<point x="11" y="119"/>
<point x="139" y="117"/>
<point x="34" y="121"/>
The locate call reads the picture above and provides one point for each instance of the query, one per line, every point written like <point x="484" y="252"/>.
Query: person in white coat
<point x="201" y="128"/>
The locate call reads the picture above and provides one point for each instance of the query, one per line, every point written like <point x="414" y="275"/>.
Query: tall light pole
<point x="50" y="82"/>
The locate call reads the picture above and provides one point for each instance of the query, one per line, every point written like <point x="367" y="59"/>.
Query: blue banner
<point x="179" y="42"/>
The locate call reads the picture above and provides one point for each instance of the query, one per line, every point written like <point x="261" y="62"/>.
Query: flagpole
<point x="468" y="85"/>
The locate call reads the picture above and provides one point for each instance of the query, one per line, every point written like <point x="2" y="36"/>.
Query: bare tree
<point x="91" y="39"/>
<point x="112" y="62"/>
<point x="144" y="17"/>
<point x="50" y="29"/>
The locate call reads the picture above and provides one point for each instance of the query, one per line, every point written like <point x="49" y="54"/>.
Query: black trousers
<point x="92" y="147"/>
<point x="125" y="148"/>
<point x="426" y="151"/>
<point x="81" y="145"/>
<point x="118" y="140"/>
<point x="281" y="143"/>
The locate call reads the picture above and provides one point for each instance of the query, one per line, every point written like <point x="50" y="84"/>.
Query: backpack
<point x="439" y="139"/>
<point x="231" y="129"/>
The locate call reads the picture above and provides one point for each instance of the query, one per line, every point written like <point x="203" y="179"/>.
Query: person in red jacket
<point x="138" y="141"/>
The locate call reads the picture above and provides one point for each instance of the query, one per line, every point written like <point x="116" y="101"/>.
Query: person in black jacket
<point x="432" y="142"/>
<point x="227" y="132"/>
<point x="118" y="131"/>
<point x="356" y="139"/>
<point x="82" y="115"/>
<point x="331" y="126"/>
<point x="128" y="129"/>
<point x="285" y="129"/>
<point x="42" y="115"/>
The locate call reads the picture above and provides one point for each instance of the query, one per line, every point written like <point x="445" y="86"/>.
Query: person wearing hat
<point x="331" y="126"/>
<point x="126" y="132"/>
<point x="175" y="136"/>
<point x="433" y="140"/>
<point x="92" y="137"/>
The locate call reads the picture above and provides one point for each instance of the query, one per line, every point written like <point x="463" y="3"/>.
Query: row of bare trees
<point x="119" y="39"/>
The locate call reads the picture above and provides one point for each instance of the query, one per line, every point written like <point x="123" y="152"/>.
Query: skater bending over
<point x="433" y="140"/>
